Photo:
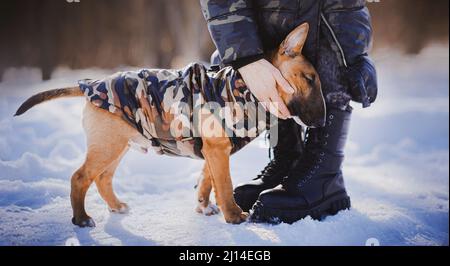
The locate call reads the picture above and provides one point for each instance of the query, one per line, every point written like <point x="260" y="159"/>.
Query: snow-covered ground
<point x="397" y="170"/>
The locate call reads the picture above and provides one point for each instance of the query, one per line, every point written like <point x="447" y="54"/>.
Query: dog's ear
<point x="294" y="42"/>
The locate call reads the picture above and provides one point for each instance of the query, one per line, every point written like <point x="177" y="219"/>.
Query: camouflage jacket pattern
<point x="243" y="29"/>
<point x="151" y="99"/>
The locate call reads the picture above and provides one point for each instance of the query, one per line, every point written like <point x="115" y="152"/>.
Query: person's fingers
<point x="285" y="86"/>
<point x="281" y="106"/>
<point x="272" y="108"/>
<point x="264" y="105"/>
<point x="282" y="115"/>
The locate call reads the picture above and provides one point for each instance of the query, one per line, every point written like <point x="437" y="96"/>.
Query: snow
<point x="396" y="170"/>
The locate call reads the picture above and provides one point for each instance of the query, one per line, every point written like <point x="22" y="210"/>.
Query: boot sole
<point x="329" y="206"/>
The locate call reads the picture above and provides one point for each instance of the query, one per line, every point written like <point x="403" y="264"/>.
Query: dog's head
<point x="307" y="101"/>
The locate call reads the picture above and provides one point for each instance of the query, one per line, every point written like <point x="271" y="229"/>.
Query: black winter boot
<point x="315" y="186"/>
<point x="289" y="147"/>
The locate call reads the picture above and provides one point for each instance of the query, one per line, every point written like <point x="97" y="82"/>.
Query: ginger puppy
<point x="138" y="107"/>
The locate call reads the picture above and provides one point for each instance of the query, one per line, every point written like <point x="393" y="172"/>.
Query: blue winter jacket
<point x="243" y="30"/>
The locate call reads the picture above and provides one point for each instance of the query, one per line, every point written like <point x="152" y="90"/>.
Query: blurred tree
<point x="101" y="33"/>
<point x="409" y="25"/>
<point x="163" y="33"/>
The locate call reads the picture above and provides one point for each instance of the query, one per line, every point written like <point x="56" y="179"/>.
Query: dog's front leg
<point x="217" y="155"/>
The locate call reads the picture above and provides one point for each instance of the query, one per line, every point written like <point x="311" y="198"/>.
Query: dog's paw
<point x="83" y="222"/>
<point x="122" y="209"/>
<point x="209" y="210"/>
<point x="237" y="218"/>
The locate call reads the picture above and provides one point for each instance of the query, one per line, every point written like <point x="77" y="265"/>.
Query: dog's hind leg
<point x="105" y="187"/>
<point x="204" y="188"/>
<point x="107" y="140"/>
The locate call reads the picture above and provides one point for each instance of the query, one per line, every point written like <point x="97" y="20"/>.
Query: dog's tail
<point x="48" y="95"/>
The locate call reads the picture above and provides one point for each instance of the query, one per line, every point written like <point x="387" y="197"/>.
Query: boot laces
<point x="305" y="169"/>
<point x="282" y="157"/>
<point x="268" y="170"/>
<point x="277" y="164"/>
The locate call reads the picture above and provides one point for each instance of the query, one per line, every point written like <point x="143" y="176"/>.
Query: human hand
<point x="261" y="77"/>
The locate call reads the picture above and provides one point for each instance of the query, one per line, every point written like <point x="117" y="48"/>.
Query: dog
<point x="110" y="130"/>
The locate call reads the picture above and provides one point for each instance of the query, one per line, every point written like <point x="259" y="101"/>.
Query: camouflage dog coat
<point x="161" y="104"/>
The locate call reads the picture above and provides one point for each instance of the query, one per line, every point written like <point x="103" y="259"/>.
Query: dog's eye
<point x="310" y="78"/>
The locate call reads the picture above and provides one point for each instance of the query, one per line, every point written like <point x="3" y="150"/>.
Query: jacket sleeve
<point x="234" y="30"/>
<point x="350" y="25"/>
